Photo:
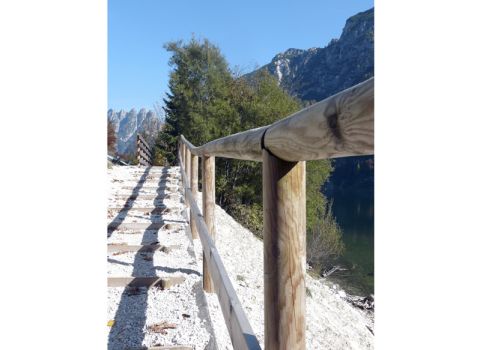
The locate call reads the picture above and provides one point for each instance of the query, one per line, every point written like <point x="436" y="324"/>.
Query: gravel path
<point x="332" y="323"/>
<point x="178" y="313"/>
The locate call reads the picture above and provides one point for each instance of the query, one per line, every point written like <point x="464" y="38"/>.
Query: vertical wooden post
<point x="138" y="151"/>
<point x="184" y="148"/>
<point x="194" y="186"/>
<point x="284" y="259"/>
<point x="187" y="173"/>
<point x="208" y="196"/>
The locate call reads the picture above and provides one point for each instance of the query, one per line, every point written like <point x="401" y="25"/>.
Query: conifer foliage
<point x="208" y="101"/>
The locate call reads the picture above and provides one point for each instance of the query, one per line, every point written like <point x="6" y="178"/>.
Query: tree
<point x="207" y="101"/>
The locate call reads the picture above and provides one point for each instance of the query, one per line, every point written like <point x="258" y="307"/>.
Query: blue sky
<point x="249" y="33"/>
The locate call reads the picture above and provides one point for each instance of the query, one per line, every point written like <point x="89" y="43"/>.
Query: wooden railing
<point x="339" y="126"/>
<point x="144" y="152"/>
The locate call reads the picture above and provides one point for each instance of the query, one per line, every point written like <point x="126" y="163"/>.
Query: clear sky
<point x="249" y="33"/>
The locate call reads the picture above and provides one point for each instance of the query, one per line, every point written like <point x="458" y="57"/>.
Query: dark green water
<point x="354" y="213"/>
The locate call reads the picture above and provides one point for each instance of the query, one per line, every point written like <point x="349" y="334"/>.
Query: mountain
<point x="317" y="73"/>
<point x="128" y="124"/>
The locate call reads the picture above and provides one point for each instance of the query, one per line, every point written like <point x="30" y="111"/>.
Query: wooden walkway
<point x="155" y="297"/>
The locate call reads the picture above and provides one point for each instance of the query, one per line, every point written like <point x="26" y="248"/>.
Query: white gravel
<point x="332" y="323"/>
<point x="183" y="305"/>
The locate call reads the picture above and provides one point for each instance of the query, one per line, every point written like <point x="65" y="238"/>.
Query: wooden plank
<point x="284" y="240"/>
<point x="208" y="201"/>
<point x="187" y="164"/>
<point x="159" y="187"/>
<point x="141" y="196"/>
<point x="166" y="347"/>
<point x="338" y="126"/>
<point x="169" y="187"/>
<point x="159" y="225"/>
<point x="239" y="328"/>
<point x="115" y="248"/>
<point x="194" y="187"/>
<point x="161" y="282"/>
<point x="129" y="207"/>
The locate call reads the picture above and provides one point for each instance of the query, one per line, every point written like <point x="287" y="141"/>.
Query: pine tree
<point x="207" y="101"/>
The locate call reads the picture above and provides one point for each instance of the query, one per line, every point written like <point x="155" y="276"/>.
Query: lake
<point x="354" y="211"/>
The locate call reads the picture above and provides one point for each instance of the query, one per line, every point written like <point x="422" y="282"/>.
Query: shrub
<point x="324" y="242"/>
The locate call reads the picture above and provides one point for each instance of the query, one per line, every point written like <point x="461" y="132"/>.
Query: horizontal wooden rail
<point x="241" y="333"/>
<point x="144" y="152"/>
<point x="339" y="126"/>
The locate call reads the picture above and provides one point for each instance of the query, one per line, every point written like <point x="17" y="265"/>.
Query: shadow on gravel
<point x="122" y="214"/>
<point x="130" y="318"/>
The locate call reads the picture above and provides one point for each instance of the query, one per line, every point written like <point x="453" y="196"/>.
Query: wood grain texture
<point x="161" y="282"/>
<point x="339" y="126"/>
<point x="208" y="196"/>
<point x="284" y="240"/>
<point x="144" y="152"/>
<point x="194" y="187"/>
<point x="187" y="164"/>
<point x="239" y="328"/>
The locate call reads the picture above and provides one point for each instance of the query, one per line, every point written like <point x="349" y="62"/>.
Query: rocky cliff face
<point x="128" y="124"/>
<point x="317" y="73"/>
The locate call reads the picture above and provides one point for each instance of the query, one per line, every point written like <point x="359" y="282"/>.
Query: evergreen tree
<point x="206" y="101"/>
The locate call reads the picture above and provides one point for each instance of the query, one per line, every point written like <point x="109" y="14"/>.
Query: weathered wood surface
<point x="166" y="347"/>
<point x="161" y="282"/>
<point x="194" y="188"/>
<point x="284" y="240"/>
<point x="187" y="164"/>
<point x="143" y="196"/>
<point x="158" y="209"/>
<point x="144" y="145"/>
<point x="140" y="226"/>
<point x="241" y="333"/>
<point x="339" y="126"/>
<point x="136" y="189"/>
<point x="117" y="248"/>
<point x="144" y="152"/>
<point x="208" y="202"/>
<point x="239" y="328"/>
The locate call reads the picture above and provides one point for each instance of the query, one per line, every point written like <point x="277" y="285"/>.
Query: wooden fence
<point x="144" y="152"/>
<point x="339" y="126"/>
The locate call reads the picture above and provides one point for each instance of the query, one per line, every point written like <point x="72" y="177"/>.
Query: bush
<point x="324" y="242"/>
<point x="249" y="216"/>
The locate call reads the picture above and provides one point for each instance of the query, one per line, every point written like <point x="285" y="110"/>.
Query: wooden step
<point x="146" y="196"/>
<point x="117" y="247"/>
<point x="161" y="187"/>
<point x="166" y="347"/>
<point x="137" y="226"/>
<point x="135" y="282"/>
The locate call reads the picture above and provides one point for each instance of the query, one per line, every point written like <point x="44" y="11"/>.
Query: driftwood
<point x="332" y="270"/>
<point x="364" y="303"/>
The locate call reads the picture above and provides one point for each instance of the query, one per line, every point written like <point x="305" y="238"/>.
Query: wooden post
<point x="284" y="259"/>
<point x="208" y="196"/>
<point x="187" y="173"/>
<point x="183" y="154"/>
<point x="194" y="186"/>
<point x="138" y="151"/>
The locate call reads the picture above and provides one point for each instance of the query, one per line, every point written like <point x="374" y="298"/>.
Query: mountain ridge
<point x="319" y="72"/>
<point x="128" y="124"/>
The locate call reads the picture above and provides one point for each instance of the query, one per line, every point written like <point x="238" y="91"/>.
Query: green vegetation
<point x="207" y="101"/>
<point x="325" y="242"/>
